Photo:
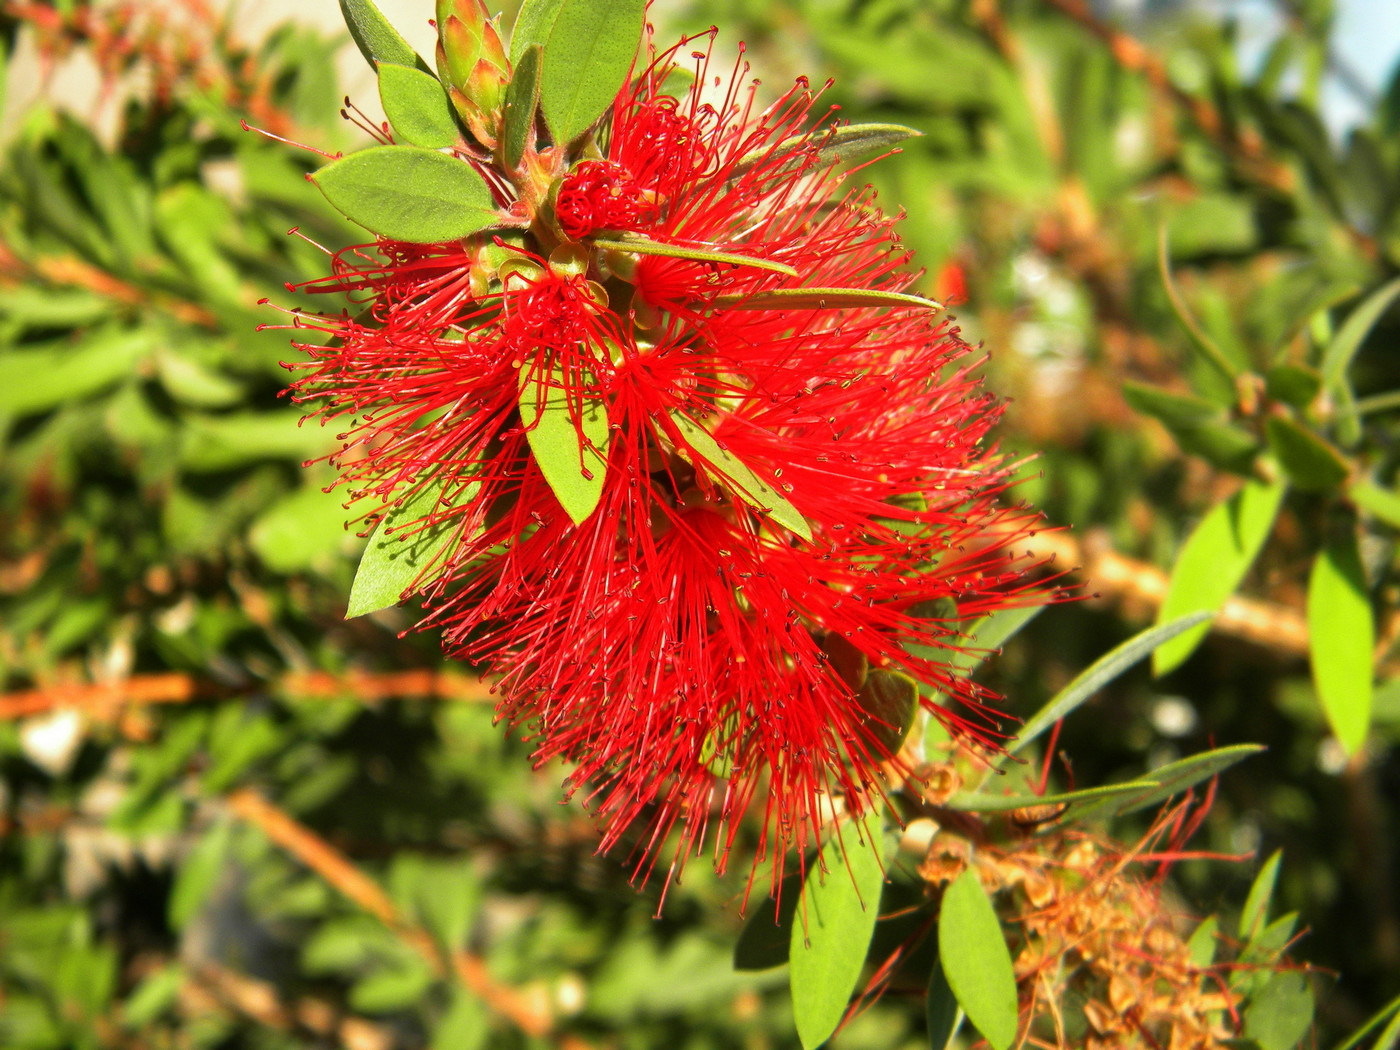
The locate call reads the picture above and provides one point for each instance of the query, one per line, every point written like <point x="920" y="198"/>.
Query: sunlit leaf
<point x="572" y="455"/>
<point x="645" y="246"/>
<point x="377" y="40"/>
<point x="1174" y="778"/>
<point x="822" y="299"/>
<point x="399" y="554"/>
<point x="976" y="960"/>
<point x="1213" y="562"/>
<point x="409" y="194"/>
<point x="1261" y="892"/>
<point x="836" y="919"/>
<point x="1341" y="637"/>
<point x="416" y="106"/>
<point x="1281" y="1014"/>
<point x="522" y="102"/>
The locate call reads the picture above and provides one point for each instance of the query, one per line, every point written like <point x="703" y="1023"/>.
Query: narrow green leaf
<point x="839" y="905"/>
<point x="984" y="638"/>
<point x="1280" y="1015"/>
<point x="399" y="554"/>
<point x="1341" y="637"/>
<point x="631" y="242"/>
<point x="1173" y="779"/>
<point x="1102" y="671"/>
<point x="982" y="802"/>
<point x="1311" y="463"/>
<point x="1388" y="1039"/>
<point x="1201" y="946"/>
<point x="841" y="144"/>
<point x="976" y="960"/>
<point x="1205" y="345"/>
<point x="588" y="47"/>
<point x="417" y="106"/>
<point x="377" y="40"/>
<point x="573" y="457"/>
<point x="522" y="102"/>
<point x="822" y="299"/>
<point x="1383" y="504"/>
<point x="409" y="194"/>
<point x="1292" y="384"/>
<point x="1213" y="562"/>
<point x="1199" y="427"/>
<point x="744" y="482"/>
<point x="1344" y="345"/>
<point x="941" y="1009"/>
<point x="1261" y="892"/>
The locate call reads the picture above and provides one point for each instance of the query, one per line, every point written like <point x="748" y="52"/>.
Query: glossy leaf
<point x="1102" y="671"/>
<point x="416" y="106"/>
<point x="377" y="40"/>
<point x="588" y="50"/>
<point x="409" y="194"/>
<point x="572" y="455"/>
<point x="734" y="475"/>
<point x="1175" y="778"/>
<point x="823" y="299"/>
<point x="1213" y="562"/>
<point x="1256" y="905"/>
<point x="1311" y="463"/>
<point x="1344" y="345"/>
<point x="837" y="911"/>
<point x="399" y="553"/>
<point x="646" y="246"/>
<point x="521" y="105"/>
<point x="941" y="1009"/>
<point x="1341" y="637"/>
<point x="976" y="960"/>
<point x="892" y="701"/>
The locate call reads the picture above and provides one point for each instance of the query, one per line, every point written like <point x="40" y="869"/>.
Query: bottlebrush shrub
<point x="643" y="407"/>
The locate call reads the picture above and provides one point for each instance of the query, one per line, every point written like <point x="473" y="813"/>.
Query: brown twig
<point x="528" y="1013"/>
<point x="211" y="985"/>
<point x="1131" y="582"/>
<point x="105" y="699"/>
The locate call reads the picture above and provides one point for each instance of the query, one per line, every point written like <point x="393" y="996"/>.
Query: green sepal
<point x="417" y="107"/>
<point x="406" y="193"/>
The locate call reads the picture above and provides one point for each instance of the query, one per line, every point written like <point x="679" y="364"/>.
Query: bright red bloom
<point x="795" y="491"/>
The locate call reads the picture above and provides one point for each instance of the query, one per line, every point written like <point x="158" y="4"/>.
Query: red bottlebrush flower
<point x="774" y="505"/>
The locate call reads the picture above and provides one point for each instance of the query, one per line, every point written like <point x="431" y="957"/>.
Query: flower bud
<point x="472" y="64"/>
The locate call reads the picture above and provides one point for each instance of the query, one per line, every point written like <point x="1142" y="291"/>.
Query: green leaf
<point x="1199" y="427"/>
<point x="1280" y="1015"/>
<point x="1292" y="384"/>
<point x="304" y="529"/>
<point x="409" y="194"/>
<point x="981" y="802"/>
<point x="839" y="145"/>
<point x="392" y="989"/>
<point x="1201" y="946"/>
<point x="976" y="960"/>
<point x="1174" y="778"/>
<point x="1213" y="562"/>
<point x="1344" y="345"/>
<point x="35" y="380"/>
<point x="1310" y="462"/>
<point x="839" y="904"/>
<point x="766" y="938"/>
<point x="573" y="457"/>
<point x="892" y="701"/>
<point x="744" y="482"/>
<point x="1341" y="637"/>
<point x="631" y="242"/>
<point x="200" y="872"/>
<point x="941" y="1009"/>
<point x="377" y="40"/>
<point x="1102" y="671"/>
<point x="822" y="299"/>
<point x="465" y="1026"/>
<point x="1261" y="892"/>
<point x="588" y="47"/>
<point x="1382" y="504"/>
<point x="522" y="102"/>
<point x="155" y="996"/>
<point x="1388" y="1039"/>
<point x="399" y="554"/>
<point x="417" y="106"/>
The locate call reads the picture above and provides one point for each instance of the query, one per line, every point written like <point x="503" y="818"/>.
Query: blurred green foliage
<point x="1183" y="280"/>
